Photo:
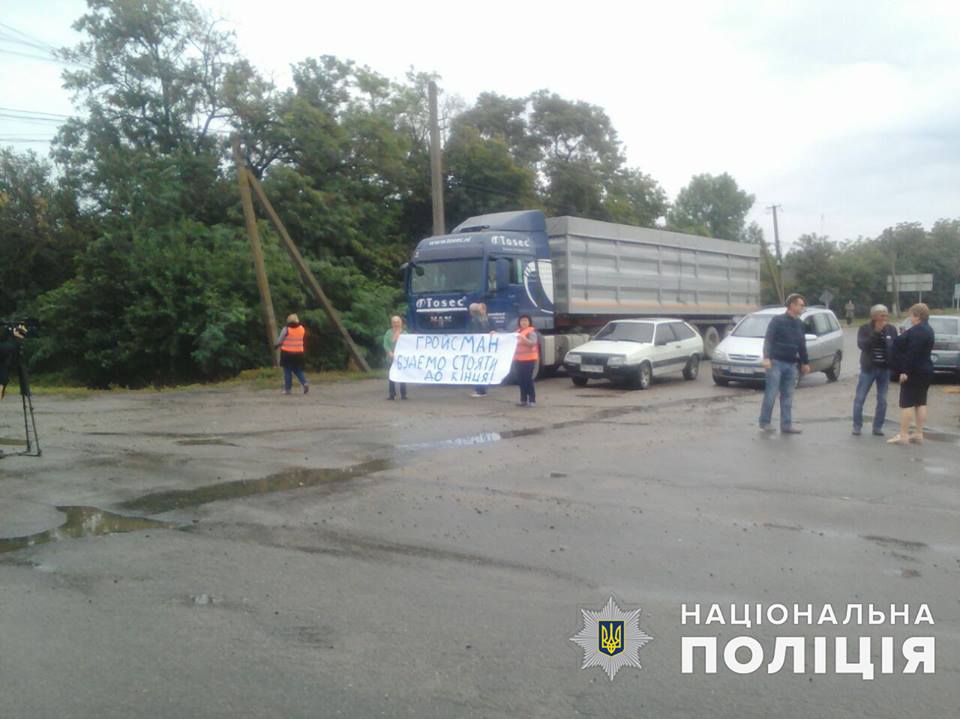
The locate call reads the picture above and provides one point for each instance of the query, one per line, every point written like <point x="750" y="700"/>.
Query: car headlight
<point x="573" y="358"/>
<point x="719" y="356"/>
<point x="615" y="361"/>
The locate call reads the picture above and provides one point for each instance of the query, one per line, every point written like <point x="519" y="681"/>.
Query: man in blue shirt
<point x="784" y="354"/>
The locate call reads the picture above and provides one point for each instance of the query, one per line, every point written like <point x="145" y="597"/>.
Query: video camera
<point x="13" y="327"/>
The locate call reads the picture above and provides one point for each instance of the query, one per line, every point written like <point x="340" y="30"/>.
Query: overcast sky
<point x="846" y="113"/>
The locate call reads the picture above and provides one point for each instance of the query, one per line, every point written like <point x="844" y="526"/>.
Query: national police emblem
<point x="611" y="638"/>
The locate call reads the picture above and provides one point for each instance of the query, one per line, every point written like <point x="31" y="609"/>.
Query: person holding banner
<point x="390" y="338"/>
<point x="478" y="324"/>
<point x="525" y="360"/>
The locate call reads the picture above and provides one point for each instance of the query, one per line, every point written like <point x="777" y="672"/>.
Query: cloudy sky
<point x="845" y="113"/>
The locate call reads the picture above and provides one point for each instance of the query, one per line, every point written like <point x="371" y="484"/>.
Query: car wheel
<point x="693" y="367"/>
<point x="579" y="381"/>
<point x="644" y="376"/>
<point x="721" y="381"/>
<point x="833" y="372"/>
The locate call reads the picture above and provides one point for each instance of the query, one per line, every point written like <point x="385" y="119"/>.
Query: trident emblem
<point x="611" y="637"/>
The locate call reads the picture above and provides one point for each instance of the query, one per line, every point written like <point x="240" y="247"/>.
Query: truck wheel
<point x="644" y="376"/>
<point x="579" y="381"/>
<point x="693" y="367"/>
<point x="711" y="338"/>
<point x="833" y="372"/>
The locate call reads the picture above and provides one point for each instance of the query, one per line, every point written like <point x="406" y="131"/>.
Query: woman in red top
<point x="525" y="360"/>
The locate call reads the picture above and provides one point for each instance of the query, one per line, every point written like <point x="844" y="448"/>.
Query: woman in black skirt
<point x="911" y="352"/>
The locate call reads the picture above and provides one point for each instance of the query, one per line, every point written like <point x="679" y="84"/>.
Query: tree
<point x="713" y="206"/>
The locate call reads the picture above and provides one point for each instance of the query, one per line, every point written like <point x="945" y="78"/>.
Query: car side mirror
<point x="809" y="337"/>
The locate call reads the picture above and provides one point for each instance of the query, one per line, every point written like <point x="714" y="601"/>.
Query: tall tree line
<point x="128" y="244"/>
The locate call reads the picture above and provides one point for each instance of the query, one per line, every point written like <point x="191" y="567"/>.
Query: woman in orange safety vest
<point x="291" y="343"/>
<point x="525" y="360"/>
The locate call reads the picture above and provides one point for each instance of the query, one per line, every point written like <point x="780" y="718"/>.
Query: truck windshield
<point x="753" y="326"/>
<point x="447" y="276"/>
<point x="627" y="332"/>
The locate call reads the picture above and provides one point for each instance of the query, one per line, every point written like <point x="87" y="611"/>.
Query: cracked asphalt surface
<point x="229" y="553"/>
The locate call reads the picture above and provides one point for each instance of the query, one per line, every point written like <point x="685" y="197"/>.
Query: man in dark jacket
<point x="875" y="340"/>
<point x="478" y="324"/>
<point x="784" y="354"/>
<point x="9" y="346"/>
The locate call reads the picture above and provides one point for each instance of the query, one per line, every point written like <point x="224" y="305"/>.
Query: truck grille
<point x="744" y="358"/>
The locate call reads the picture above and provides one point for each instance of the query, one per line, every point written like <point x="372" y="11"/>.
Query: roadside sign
<point x="911" y="283"/>
<point x="956" y="291"/>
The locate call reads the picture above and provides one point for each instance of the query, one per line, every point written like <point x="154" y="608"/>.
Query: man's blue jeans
<point x="782" y="379"/>
<point x="867" y="377"/>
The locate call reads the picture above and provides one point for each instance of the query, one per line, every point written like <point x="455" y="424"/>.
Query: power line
<point x="35" y="112"/>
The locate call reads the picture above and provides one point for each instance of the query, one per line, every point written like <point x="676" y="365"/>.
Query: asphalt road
<point x="230" y="553"/>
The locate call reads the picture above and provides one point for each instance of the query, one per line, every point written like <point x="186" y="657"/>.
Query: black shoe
<point x="790" y="430"/>
<point x="878" y="433"/>
<point x="391" y="398"/>
<point x="856" y="432"/>
<point x="306" y="388"/>
<point x="403" y="396"/>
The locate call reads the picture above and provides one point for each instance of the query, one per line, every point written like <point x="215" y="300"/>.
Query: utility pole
<point x="266" y="302"/>
<point x="306" y="274"/>
<point x="776" y="233"/>
<point x="436" y="164"/>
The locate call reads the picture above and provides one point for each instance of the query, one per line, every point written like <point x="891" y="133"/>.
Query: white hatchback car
<point x="634" y="351"/>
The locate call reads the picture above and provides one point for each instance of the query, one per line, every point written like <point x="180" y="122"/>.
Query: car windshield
<point x="753" y="326"/>
<point x="627" y="332"/>
<point x="944" y="326"/>
<point x="447" y="276"/>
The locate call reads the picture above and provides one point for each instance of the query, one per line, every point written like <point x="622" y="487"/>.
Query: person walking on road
<point x="292" y="343"/>
<point x="784" y="351"/>
<point x="525" y="360"/>
<point x="875" y="340"/>
<point x="848" y="310"/>
<point x="911" y="352"/>
<point x="390" y="338"/>
<point x="478" y="324"/>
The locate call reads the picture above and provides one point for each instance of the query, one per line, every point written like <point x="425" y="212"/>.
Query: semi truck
<point x="573" y="275"/>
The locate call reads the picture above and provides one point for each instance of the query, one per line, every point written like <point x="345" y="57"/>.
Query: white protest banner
<point x="453" y="359"/>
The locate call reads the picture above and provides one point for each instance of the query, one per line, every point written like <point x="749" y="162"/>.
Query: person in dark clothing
<point x="9" y="346"/>
<point x="911" y="358"/>
<point x="478" y="324"/>
<point x="784" y="354"/>
<point x="875" y="340"/>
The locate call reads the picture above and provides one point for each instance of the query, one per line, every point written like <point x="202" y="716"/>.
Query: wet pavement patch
<point x="83" y="522"/>
<point x="295" y="478"/>
<point x="894" y="542"/>
<point x="214" y="441"/>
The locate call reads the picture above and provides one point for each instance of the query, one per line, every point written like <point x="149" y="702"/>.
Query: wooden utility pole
<point x="436" y="164"/>
<point x="306" y="274"/>
<point x="776" y="234"/>
<point x="773" y="270"/>
<point x="266" y="302"/>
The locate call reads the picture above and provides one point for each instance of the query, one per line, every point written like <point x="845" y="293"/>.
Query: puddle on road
<point x="83" y="522"/>
<point x="297" y="478"/>
<point x="214" y="441"/>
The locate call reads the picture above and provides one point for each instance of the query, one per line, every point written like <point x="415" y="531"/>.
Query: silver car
<point x="739" y="357"/>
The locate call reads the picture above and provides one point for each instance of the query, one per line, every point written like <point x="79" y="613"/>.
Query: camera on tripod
<point x="12" y="334"/>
